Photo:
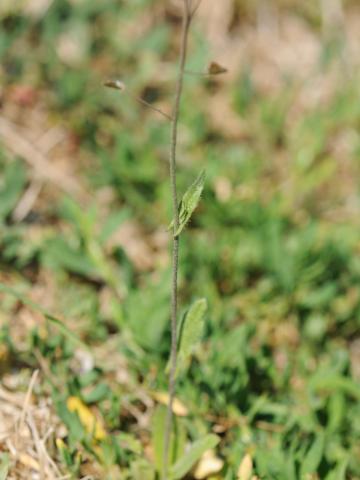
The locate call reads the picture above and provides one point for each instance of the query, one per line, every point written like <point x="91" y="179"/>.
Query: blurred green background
<point x="274" y="245"/>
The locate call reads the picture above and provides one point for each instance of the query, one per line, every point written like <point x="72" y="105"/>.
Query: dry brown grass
<point x="28" y="427"/>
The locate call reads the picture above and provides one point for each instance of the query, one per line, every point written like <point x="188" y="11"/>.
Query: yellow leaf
<point x="87" y="418"/>
<point x="60" y="444"/>
<point x="177" y="407"/>
<point x="245" y="469"/>
<point x="29" y="462"/>
<point x="209" y="464"/>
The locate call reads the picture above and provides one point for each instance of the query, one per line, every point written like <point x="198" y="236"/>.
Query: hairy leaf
<point x="189" y="202"/>
<point x="191" y="331"/>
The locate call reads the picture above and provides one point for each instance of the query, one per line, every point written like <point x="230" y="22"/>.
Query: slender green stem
<point x="175" y="247"/>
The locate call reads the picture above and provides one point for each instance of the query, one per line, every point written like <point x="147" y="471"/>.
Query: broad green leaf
<point x="313" y="457"/>
<point x="189" y="202"/>
<point x="191" y="331"/>
<point x="4" y="466"/>
<point x="38" y="308"/>
<point x="177" y="438"/>
<point x="188" y="460"/>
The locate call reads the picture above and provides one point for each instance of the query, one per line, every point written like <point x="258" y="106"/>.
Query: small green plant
<point x="189" y="203"/>
<point x="192" y="326"/>
<point x="183" y="340"/>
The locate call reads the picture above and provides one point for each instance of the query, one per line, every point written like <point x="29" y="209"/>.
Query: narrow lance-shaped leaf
<point x="334" y="383"/>
<point x="188" y="460"/>
<point x="313" y="457"/>
<point x="191" y="331"/>
<point x="177" y="438"/>
<point x="339" y="473"/>
<point x="189" y="202"/>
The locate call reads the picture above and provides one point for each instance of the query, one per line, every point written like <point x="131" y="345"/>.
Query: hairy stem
<point x="175" y="247"/>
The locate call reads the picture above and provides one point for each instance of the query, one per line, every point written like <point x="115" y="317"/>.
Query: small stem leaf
<point x="191" y="331"/>
<point x="188" y="460"/>
<point x="189" y="202"/>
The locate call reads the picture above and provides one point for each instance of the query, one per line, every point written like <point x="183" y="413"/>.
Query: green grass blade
<point x="187" y="461"/>
<point x="313" y="457"/>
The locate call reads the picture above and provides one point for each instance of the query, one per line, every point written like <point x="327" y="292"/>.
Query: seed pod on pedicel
<point x="116" y="84"/>
<point x="215" y="69"/>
